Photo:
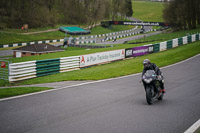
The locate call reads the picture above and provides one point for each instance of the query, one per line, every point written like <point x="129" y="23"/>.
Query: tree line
<point x="43" y="13"/>
<point x="182" y="14"/>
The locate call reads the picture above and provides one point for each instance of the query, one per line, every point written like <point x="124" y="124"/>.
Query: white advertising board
<point x="98" y="58"/>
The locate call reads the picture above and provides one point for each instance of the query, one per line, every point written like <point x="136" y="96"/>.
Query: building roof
<point x="39" y="48"/>
<point x="74" y="30"/>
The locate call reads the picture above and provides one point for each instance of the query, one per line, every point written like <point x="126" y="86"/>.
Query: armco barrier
<point x="185" y="40"/>
<point x="189" y="39"/>
<point x="197" y="37"/>
<point x="169" y="44"/>
<point x="156" y="47"/>
<point x="30" y="43"/>
<point x="21" y="71"/>
<point x="175" y="42"/>
<point x="46" y="67"/>
<point x="193" y="38"/>
<point x="163" y="46"/>
<point x="69" y="63"/>
<point x="32" y="69"/>
<point x="180" y="41"/>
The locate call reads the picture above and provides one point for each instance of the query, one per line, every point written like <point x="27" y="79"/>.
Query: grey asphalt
<point x="6" y="53"/>
<point x="121" y="41"/>
<point x="112" y="106"/>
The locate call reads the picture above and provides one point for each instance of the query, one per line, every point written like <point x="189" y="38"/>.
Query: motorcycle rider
<point x="151" y="66"/>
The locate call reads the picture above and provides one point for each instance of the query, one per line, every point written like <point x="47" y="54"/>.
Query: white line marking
<point x="92" y="82"/>
<point x="194" y="127"/>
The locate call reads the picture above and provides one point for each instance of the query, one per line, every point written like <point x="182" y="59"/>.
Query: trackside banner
<point x="138" y="23"/>
<point x="98" y="58"/>
<point x="150" y="47"/>
<point x="137" y="51"/>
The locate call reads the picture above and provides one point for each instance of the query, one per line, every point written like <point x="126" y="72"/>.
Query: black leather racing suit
<point x="152" y="66"/>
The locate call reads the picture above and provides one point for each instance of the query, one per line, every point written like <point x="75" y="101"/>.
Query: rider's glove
<point x="159" y="77"/>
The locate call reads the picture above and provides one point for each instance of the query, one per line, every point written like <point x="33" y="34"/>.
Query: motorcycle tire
<point x="149" y="96"/>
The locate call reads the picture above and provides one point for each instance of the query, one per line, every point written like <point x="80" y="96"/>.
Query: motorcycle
<point x="152" y="86"/>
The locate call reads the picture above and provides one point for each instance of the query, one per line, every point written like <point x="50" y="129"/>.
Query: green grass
<point x="7" y="38"/>
<point x="167" y="36"/>
<point x="121" y="68"/>
<point x="148" y="11"/>
<point x="15" y="37"/>
<point x="9" y="92"/>
<point x="100" y="30"/>
<point x="81" y="51"/>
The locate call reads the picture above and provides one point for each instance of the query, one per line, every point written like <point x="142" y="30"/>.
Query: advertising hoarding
<point x="138" y="23"/>
<point x="103" y="57"/>
<point x="137" y="51"/>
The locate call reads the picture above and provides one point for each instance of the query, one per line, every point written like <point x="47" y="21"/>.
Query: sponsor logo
<point x="150" y="49"/>
<point x="3" y="64"/>
<point x="97" y="58"/>
<point x="143" y="23"/>
<point x="82" y="59"/>
<point x="129" y="52"/>
<point x="140" y="51"/>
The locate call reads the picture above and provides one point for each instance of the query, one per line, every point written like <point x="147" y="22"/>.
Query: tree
<point x="182" y="14"/>
<point x="129" y="8"/>
<point x="41" y="13"/>
<point x="116" y="4"/>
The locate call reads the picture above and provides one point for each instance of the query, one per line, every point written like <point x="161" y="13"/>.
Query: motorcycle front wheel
<point x="149" y="96"/>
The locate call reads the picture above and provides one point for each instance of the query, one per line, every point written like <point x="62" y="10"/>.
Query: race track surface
<point x="110" y="106"/>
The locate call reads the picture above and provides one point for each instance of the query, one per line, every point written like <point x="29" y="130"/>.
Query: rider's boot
<point x="163" y="91"/>
<point x="162" y="87"/>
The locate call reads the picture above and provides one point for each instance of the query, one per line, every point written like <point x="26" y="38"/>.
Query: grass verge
<point x="15" y="37"/>
<point x="9" y="92"/>
<point x="167" y="36"/>
<point x="148" y="11"/>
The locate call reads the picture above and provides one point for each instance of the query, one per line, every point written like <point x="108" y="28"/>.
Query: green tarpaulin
<point x="74" y="30"/>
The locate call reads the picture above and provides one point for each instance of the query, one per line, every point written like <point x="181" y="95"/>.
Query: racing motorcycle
<point x="152" y="86"/>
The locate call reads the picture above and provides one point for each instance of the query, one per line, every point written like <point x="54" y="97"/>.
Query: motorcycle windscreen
<point x="150" y="73"/>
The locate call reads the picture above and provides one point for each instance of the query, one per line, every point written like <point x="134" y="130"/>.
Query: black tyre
<point x="149" y="95"/>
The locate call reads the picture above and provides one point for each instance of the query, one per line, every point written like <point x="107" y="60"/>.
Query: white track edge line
<point x="194" y="127"/>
